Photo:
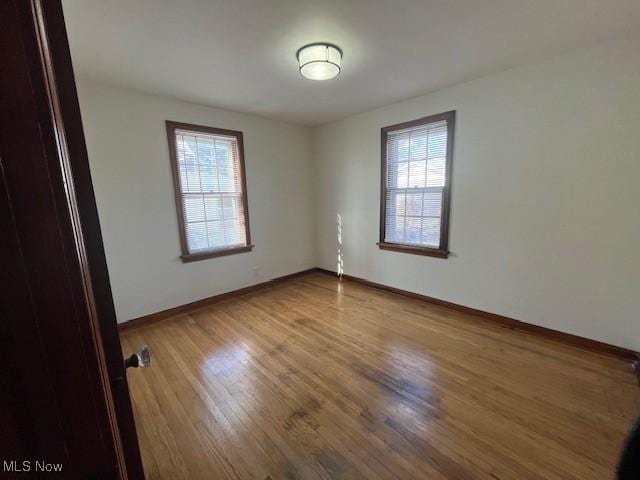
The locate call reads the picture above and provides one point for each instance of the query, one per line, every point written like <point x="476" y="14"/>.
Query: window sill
<point x="429" y="252"/>
<point x="193" y="257"/>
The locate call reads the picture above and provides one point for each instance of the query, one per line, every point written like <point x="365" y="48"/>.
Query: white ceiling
<point x="240" y="54"/>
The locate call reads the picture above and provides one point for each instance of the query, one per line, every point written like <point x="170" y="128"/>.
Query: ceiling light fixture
<point x="319" y="61"/>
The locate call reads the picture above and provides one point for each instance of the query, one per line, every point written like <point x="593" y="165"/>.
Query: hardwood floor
<point x="320" y="378"/>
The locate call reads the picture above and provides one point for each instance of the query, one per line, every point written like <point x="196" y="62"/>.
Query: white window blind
<point x="415" y="183"/>
<point x="211" y="190"/>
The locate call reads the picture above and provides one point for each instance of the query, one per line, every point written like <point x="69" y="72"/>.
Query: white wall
<point x="545" y="220"/>
<point x="130" y="167"/>
<point x="545" y="215"/>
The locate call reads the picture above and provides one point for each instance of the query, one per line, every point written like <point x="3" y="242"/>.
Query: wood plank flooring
<point x="317" y="378"/>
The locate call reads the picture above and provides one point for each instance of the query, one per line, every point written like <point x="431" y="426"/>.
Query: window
<point x="416" y="185"/>
<point x="210" y="188"/>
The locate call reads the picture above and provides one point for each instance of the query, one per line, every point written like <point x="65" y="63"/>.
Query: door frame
<point x="39" y="33"/>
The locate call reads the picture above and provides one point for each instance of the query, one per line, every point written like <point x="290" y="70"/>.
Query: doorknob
<point x="139" y="359"/>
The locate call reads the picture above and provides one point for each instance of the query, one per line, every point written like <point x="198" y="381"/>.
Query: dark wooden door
<point x="64" y="398"/>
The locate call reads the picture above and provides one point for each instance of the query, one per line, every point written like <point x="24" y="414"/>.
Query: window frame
<point x="443" y="250"/>
<point x="187" y="256"/>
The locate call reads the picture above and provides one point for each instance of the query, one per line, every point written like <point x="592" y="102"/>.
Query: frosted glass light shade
<point x="319" y="61"/>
